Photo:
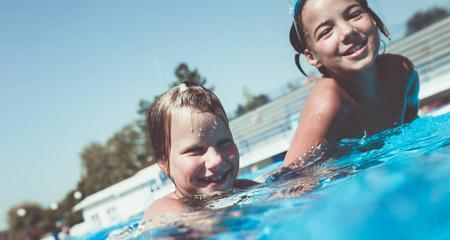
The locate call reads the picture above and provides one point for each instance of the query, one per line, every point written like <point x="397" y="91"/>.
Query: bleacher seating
<point x="261" y="129"/>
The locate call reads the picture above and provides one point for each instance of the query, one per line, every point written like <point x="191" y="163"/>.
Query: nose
<point x="213" y="159"/>
<point x="348" y="32"/>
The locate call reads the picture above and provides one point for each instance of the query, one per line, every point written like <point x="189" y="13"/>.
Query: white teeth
<point x="214" y="178"/>
<point x="355" y="48"/>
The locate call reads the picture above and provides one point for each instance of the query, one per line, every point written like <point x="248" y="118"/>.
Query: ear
<point x="312" y="59"/>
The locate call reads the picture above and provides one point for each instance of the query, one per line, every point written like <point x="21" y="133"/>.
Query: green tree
<point x="96" y="165"/>
<point x="64" y="212"/>
<point x="147" y="154"/>
<point x="124" y="149"/>
<point x="30" y="221"/>
<point x="252" y="102"/>
<point x="114" y="162"/>
<point x="183" y="73"/>
<point x="423" y="19"/>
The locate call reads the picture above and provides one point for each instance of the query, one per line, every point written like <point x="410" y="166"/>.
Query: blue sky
<point x="73" y="72"/>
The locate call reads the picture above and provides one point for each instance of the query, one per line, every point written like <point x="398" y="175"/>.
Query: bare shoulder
<point x="167" y="204"/>
<point x="244" y="183"/>
<point x="395" y="60"/>
<point x="327" y="110"/>
<point x="327" y="98"/>
<point x="325" y="115"/>
<point x="400" y="76"/>
<point x="398" y="68"/>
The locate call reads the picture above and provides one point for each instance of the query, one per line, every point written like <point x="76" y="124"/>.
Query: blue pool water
<point x="394" y="185"/>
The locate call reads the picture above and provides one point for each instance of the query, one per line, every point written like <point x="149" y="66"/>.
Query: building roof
<point x="142" y="177"/>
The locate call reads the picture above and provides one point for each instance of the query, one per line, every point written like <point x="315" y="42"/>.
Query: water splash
<point x="389" y="185"/>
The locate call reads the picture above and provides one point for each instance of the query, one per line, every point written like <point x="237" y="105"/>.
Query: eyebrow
<point x="328" y="22"/>
<point x="347" y="10"/>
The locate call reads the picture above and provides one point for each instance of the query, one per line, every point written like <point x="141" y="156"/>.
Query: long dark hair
<point x="297" y="35"/>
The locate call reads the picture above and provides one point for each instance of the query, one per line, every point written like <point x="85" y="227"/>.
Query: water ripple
<point x="391" y="185"/>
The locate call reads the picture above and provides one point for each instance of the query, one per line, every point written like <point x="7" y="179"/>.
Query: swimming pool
<point x="394" y="185"/>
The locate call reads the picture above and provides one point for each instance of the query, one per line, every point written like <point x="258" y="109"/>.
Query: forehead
<point x="319" y="10"/>
<point x="185" y="121"/>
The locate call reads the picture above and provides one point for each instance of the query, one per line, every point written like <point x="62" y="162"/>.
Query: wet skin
<point x="203" y="156"/>
<point x="363" y="93"/>
<point x="203" y="160"/>
<point x="340" y="36"/>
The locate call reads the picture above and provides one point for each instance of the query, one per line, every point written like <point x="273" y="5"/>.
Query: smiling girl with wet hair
<point x="361" y="92"/>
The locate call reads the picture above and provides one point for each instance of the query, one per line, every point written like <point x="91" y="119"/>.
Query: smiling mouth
<point x="355" y="48"/>
<point x="216" y="179"/>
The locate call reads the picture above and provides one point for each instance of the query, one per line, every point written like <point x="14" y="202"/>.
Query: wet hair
<point x="188" y="94"/>
<point x="297" y="34"/>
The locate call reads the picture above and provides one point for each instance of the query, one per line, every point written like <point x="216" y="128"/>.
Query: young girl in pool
<point x="194" y="146"/>
<point x="360" y="92"/>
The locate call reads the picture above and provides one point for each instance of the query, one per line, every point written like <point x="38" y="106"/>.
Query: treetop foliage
<point x="423" y="19"/>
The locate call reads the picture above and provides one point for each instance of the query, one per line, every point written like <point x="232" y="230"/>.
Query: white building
<point x="122" y="200"/>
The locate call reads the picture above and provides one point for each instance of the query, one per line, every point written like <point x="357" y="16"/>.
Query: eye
<point x="324" y="32"/>
<point x="225" y="143"/>
<point x="355" y="14"/>
<point x="194" y="151"/>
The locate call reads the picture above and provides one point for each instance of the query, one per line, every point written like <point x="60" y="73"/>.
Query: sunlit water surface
<point x="394" y="185"/>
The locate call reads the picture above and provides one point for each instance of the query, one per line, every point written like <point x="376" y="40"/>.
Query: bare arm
<point x="165" y="205"/>
<point x="245" y="183"/>
<point x="412" y="97"/>
<point x="322" y="120"/>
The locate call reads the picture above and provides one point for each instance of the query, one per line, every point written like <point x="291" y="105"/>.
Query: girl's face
<point x="203" y="157"/>
<point x="341" y="36"/>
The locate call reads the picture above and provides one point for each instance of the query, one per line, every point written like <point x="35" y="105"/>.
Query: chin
<point x="226" y="187"/>
<point x="222" y="189"/>
<point x="211" y="192"/>
<point x="362" y="65"/>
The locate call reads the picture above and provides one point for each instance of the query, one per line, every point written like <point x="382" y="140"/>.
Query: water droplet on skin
<point x="201" y="132"/>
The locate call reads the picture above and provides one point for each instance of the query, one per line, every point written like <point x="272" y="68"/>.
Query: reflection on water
<point x="392" y="185"/>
